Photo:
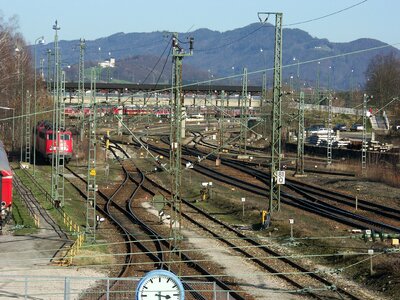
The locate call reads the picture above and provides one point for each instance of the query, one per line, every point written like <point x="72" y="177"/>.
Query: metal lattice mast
<point x="300" y="138"/>
<point x="317" y="90"/>
<point x="28" y="127"/>
<point x="60" y="157"/>
<point x="264" y="103"/>
<point x="91" y="175"/>
<point x="48" y="71"/>
<point x="176" y="147"/>
<point x="364" y="136"/>
<point x="56" y="96"/>
<point x="264" y="87"/>
<point x="81" y="84"/>
<point x="243" y="114"/>
<point x="275" y="190"/>
<point x="40" y="40"/>
<point x="329" y="147"/>
<point x="23" y="95"/>
<point x="221" y="121"/>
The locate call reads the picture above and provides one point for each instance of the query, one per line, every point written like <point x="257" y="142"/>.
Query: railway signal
<point x="280" y="177"/>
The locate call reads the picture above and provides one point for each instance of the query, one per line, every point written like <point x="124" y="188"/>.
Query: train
<point x="6" y="187"/>
<point x="46" y="143"/>
<point x="140" y="110"/>
<point x="128" y="110"/>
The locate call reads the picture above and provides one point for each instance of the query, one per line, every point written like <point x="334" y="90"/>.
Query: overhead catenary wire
<point x="252" y="274"/>
<point x="158" y="60"/>
<point x="268" y="239"/>
<point x="327" y="15"/>
<point x="284" y="25"/>
<point x="293" y="256"/>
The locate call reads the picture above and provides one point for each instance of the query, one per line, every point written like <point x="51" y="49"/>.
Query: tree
<point x="383" y="79"/>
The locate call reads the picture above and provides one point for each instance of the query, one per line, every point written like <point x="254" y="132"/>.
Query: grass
<point x="96" y="255"/>
<point x="75" y="207"/>
<point x="23" y="221"/>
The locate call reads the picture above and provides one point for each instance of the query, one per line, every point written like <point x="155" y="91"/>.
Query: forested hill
<point x="220" y="54"/>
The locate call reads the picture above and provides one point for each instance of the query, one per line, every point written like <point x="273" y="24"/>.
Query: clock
<point x="160" y="285"/>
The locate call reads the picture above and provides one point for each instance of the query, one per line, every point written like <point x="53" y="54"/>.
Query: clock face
<point x="160" y="285"/>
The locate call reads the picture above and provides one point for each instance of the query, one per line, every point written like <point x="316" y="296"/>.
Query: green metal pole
<point x="318" y="87"/>
<point x="177" y="99"/>
<point x="364" y="137"/>
<point x="81" y="86"/>
<point x="56" y="96"/>
<point x="300" y="138"/>
<point x="274" y="199"/>
<point x="40" y="40"/>
<point x="49" y="71"/>
<point x="21" y="78"/>
<point x="244" y="114"/>
<point x="91" y="175"/>
<point x="329" y="146"/>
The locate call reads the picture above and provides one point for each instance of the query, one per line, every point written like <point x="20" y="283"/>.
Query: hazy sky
<point x="91" y="19"/>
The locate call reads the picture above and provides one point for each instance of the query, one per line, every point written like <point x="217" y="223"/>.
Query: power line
<point x="162" y="54"/>
<point x="326" y="16"/>
<point x="284" y="25"/>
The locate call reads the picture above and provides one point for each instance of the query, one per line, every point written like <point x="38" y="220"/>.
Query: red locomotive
<point x="5" y="187"/>
<point x="46" y="142"/>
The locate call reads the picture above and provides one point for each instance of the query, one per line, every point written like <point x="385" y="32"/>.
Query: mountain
<point x="219" y="54"/>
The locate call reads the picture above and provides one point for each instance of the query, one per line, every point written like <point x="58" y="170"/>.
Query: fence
<point x="88" y="288"/>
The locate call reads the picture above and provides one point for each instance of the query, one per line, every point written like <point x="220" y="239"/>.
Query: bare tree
<point x="16" y="78"/>
<point x="383" y="79"/>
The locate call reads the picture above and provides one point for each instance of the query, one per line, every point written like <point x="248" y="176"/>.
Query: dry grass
<point x="383" y="173"/>
<point x="387" y="175"/>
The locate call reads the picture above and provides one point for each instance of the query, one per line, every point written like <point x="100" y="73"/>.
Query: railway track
<point x="309" y="201"/>
<point x="188" y="261"/>
<point x="200" y="139"/>
<point x="303" y="280"/>
<point x="321" y="192"/>
<point x="103" y="206"/>
<point x="125" y="219"/>
<point x="35" y="208"/>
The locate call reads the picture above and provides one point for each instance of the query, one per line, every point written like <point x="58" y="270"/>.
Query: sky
<point x="92" y="19"/>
